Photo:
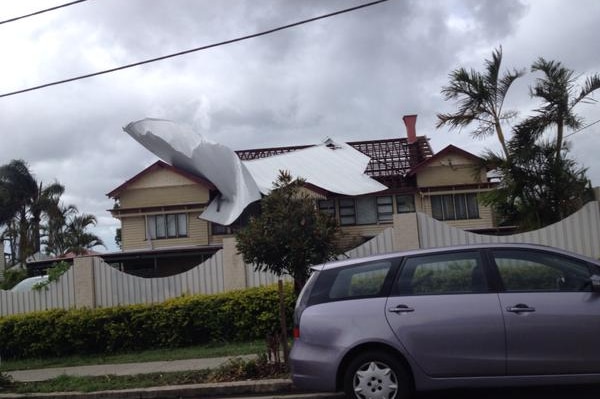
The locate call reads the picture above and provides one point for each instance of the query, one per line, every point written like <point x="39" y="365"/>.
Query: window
<point x="538" y="271"/>
<point x="347" y="212"/>
<point x="451" y="273"/>
<point x="251" y="211"/>
<point x="365" y="210"/>
<point x="385" y="209"/>
<point x="362" y="280"/>
<point x="327" y="207"/>
<point x="219" y="229"/>
<point x="405" y="203"/>
<point x="455" y="206"/>
<point x="171" y="225"/>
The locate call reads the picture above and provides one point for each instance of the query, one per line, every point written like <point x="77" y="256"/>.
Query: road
<point x="562" y="392"/>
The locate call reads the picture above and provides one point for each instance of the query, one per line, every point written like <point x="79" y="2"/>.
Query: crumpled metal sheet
<point x="337" y="168"/>
<point x="186" y="149"/>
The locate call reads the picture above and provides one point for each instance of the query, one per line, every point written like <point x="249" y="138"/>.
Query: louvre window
<point x="327" y="207"/>
<point x="366" y="210"/>
<point x="347" y="212"/>
<point x="385" y="209"/>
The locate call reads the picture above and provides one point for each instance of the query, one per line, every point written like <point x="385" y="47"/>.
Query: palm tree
<point x="56" y="240"/>
<point x="24" y="202"/>
<point x="558" y="90"/>
<point x="480" y="99"/>
<point x="78" y="238"/>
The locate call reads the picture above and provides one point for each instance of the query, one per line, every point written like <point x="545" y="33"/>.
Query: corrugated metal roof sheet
<point x="337" y="168"/>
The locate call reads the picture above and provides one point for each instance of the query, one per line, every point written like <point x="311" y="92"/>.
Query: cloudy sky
<point x="349" y="77"/>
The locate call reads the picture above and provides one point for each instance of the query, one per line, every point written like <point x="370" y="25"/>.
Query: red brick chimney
<point x="410" y="121"/>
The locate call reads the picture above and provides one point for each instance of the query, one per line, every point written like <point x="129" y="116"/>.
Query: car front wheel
<point x="376" y="375"/>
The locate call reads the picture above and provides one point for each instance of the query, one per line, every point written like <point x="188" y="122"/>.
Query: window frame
<point x="412" y="208"/>
<point x="167" y="226"/>
<point x="399" y="287"/>
<point x="385" y="216"/>
<point x="445" y="207"/>
<point x="323" y="286"/>
<point x="327" y="207"/>
<point x="349" y="204"/>
<point x="531" y="252"/>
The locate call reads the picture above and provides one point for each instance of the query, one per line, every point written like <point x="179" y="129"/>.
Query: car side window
<point x="447" y="273"/>
<point x="540" y="271"/>
<point x="359" y="281"/>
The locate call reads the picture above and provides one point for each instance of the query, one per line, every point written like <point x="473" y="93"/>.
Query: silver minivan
<point x="470" y="316"/>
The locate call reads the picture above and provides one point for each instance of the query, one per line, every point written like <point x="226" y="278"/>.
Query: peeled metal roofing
<point x="334" y="167"/>
<point x="186" y="149"/>
<point x="337" y="168"/>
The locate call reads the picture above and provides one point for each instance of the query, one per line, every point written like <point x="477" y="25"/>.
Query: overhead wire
<point x="177" y="54"/>
<point x="41" y="11"/>
<point x="579" y="130"/>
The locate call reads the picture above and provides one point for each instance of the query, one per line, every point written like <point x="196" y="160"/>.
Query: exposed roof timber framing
<point x="389" y="158"/>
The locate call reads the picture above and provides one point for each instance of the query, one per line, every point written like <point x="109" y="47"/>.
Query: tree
<point x="480" y="99"/>
<point x="534" y="188"/>
<point x="290" y="234"/>
<point x="56" y="238"/>
<point x="66" y="231"/>
<point x="538" y="183"/>
<point x="24" y="203"/>
<point x="559" y="94"/>
<point x="79" y="238"/>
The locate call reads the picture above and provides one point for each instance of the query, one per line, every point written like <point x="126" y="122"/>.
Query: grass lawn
<point x="235" y="370"/>
<point x="192" y="352"/>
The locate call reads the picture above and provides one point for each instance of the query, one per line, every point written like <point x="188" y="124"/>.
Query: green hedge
<point x="189" y="320"/>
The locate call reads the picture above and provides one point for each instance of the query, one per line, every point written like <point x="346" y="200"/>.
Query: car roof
<point x="427" y="251"/>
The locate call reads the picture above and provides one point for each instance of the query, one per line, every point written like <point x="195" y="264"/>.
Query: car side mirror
<point x="595" y="282"/>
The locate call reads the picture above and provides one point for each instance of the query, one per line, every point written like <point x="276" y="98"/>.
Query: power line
<point x="239" y="39"/>
<point x="41" y="11"/>
<point x="579" y="130"/>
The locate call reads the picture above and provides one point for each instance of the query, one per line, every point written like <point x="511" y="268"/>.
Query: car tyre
<point x="376" y="375"/>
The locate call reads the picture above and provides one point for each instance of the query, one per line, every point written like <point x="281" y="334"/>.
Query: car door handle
<point x="401" y="309"/>
<point x="520" y="308"/>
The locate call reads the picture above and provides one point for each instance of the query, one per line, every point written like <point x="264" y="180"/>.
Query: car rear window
<point x="362" y="280"/>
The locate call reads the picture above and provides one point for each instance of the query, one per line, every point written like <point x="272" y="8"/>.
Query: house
<point x="159" y="208"/>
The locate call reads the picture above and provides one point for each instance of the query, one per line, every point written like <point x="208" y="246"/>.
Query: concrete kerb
<point x="272" y="389"/>
<point x="258" y="387"/>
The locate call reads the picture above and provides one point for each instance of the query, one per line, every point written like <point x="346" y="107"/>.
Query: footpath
<point x="270" y="388"/>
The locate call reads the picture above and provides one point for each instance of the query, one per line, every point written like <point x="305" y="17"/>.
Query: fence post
<point x="406" y="232"/>
<point x="85" y="292"/>
<point x="234" y="268"/>
<point x="2" y="261"/>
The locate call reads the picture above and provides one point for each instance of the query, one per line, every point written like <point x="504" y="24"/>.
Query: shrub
<point x="188" y="320"/>
<point x="5" y="380"/>
<point x="12" y="277"/>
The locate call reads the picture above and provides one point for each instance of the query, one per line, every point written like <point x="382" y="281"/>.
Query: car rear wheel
<point x="376" y="375"/>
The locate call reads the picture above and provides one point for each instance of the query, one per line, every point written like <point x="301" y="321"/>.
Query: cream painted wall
<point x="133" y="233"/>
<point x="451" y="170"/>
